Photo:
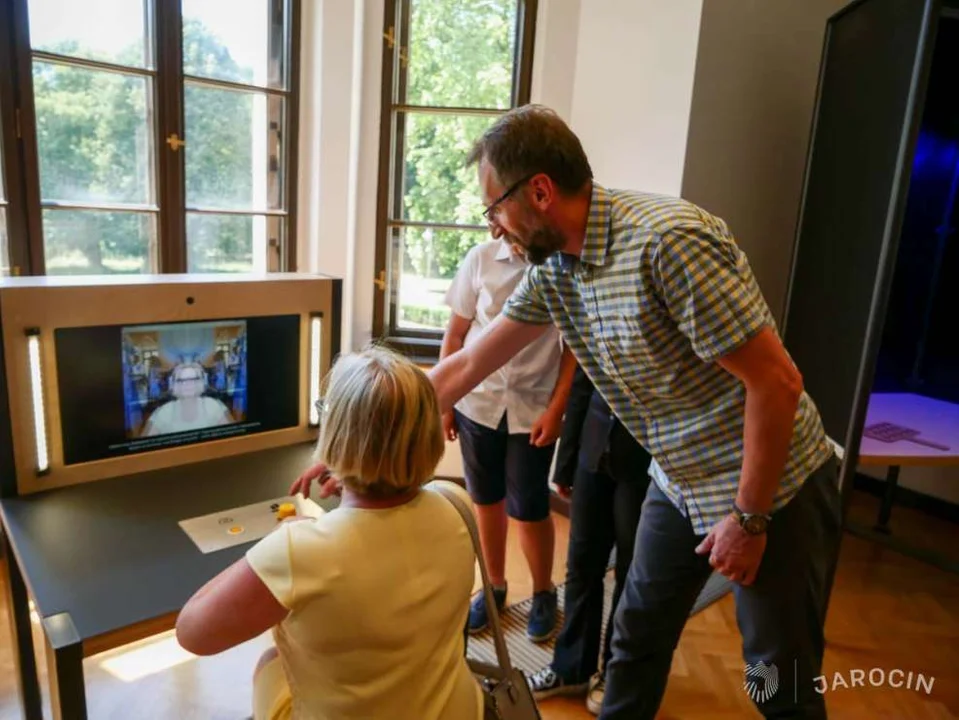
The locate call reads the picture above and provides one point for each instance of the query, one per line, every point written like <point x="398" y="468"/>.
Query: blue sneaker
<point x="542" y="616"/>
<point x="479" y="620"/>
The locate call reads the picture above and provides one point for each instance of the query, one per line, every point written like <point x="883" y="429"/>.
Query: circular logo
<point x="762" y="681"/>
<point x="235" y="530"/>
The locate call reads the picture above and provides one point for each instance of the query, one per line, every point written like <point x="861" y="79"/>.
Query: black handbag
<point x="506" y="692"/>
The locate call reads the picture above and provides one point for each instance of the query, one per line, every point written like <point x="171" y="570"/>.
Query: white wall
<point x="367" y="172"/>
<point x="635" y="62"/>
<point x="937" y="482"/>
<point x="555" y="50"/>
<point x="330" y="140"/>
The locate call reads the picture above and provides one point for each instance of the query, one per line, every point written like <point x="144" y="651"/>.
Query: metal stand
<point x="888" y="497"/>
<point x="881" y="533"/>
<point x="65" y="668"/>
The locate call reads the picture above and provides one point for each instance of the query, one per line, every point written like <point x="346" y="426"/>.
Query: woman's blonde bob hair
<point x="380" y="427"/>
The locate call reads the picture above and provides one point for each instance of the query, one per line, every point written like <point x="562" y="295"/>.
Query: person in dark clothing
<point x="603" y="469"/>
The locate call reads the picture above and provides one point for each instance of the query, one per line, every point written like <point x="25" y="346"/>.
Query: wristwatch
<point x="752" y="523"/>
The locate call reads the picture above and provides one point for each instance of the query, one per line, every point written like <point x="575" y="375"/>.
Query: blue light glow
<point x="935" y="154"/>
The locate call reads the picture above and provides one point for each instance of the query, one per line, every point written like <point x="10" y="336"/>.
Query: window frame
<point x="9" y="162"/>
<point x="21" y="156"/>
<point x="421" y="345"/>
<point x="16" y="145"/>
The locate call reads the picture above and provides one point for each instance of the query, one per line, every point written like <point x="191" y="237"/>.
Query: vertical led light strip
<point x="316" y="330"/>
<point x="36" y="390"/>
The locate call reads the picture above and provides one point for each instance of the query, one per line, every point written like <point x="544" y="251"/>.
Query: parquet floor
<point x="888" y="612"/>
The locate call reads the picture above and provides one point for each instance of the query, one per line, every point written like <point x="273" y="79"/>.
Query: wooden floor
<point x="888" y="612"/>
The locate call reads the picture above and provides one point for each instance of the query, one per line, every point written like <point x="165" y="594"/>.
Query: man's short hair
<point x="533" y="139"/>
<point x="380" y="426"/>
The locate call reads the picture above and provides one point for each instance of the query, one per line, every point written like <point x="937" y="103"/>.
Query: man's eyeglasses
<point x="489" y="211"/>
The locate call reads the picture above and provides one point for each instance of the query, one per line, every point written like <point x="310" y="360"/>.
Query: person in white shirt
<point x="507" y="429"/>
<point x="190" y="409"/>
<point x="367" y="601"/>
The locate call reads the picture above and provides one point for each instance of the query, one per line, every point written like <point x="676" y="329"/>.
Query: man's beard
<point x="541" y="243"/>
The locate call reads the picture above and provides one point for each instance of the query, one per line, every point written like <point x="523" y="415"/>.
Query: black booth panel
<point x="870" y="86"/>
<point x="919" y="352"/>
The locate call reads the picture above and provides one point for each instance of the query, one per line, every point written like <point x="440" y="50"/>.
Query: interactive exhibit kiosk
<point x="872" y="308"/>
<point x="150" y="426"/>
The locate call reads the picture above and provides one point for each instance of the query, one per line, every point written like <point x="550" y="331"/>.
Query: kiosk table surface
<point x="112" y="553"/>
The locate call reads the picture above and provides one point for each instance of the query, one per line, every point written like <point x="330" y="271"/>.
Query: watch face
<point x="755" y="525"/>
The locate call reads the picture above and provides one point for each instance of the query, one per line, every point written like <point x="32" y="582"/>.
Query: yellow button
<point x="235" y="530"/>
<point x="285" y="510"/>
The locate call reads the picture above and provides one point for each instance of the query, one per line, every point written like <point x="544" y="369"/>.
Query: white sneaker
<point x="546" y="683"/>
<point x="596" y="693"/>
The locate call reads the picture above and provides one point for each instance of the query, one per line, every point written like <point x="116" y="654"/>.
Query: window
<point x="450" y="68"/>
<point x="157" y="136"/>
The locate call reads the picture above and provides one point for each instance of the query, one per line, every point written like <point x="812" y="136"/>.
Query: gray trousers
<point x="780" y="616"/>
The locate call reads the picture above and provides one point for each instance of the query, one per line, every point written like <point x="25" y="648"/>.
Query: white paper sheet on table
<point x="247" y="523"/>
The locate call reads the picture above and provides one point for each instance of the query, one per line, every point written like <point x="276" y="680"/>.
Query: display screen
<point x="128" y="389"/>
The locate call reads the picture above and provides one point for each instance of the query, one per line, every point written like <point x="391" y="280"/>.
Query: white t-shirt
<point x="524" y="385"/>
<point x="378" y="601"/>
<point x="168" y="419"/>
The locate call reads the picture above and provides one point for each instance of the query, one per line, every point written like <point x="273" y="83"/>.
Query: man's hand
<point x="546" y="429"/>
<point x="329" y="485"/>
<point x="732" y="551"/>
<point x="449" y="426"/>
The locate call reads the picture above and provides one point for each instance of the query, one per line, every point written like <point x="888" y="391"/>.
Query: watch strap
<point x="741" y="513"/>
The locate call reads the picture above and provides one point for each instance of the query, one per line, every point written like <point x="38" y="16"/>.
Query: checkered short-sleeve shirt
<point x="658" y="293"/>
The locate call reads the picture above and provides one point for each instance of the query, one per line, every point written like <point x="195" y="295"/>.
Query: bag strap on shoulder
<point x="502" y="654"/>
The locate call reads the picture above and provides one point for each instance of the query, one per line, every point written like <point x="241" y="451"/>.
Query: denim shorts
<point x="499" y="465"/>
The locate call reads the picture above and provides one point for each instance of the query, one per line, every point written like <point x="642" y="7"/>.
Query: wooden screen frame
<point x="49" y="303"/>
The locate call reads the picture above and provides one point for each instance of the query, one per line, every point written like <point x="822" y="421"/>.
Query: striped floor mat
<point x="530" y="657"/>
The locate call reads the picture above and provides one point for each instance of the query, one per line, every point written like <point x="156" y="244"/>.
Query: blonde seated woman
<point x="367" y="603"/>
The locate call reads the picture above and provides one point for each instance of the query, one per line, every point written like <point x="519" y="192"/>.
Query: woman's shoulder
<point x="324" y="536"/>
<point x="436" y="491"/>
<point x="449" y="486"/>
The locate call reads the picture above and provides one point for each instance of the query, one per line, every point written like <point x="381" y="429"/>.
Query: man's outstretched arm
<point x="454" y="376"/>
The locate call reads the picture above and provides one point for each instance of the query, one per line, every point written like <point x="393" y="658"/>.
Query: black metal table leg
<point x="881" y="533"/>
<point x="889" y="495"/>
<point x="65" y="668"/>
<point x="25" y="663"/>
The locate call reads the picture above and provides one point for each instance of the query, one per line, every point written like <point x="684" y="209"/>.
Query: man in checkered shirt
<point x="662" y="311"/>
